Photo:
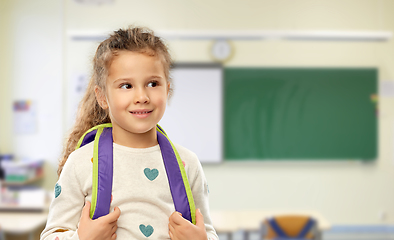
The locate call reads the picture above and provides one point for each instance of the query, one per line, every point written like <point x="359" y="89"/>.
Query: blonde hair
<point x="90" y="113"/>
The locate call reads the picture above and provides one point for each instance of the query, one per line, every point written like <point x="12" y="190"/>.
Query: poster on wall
<point x="25" y="117"/>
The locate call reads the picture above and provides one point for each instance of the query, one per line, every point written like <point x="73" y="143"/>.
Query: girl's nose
<point x="141" y="96"/>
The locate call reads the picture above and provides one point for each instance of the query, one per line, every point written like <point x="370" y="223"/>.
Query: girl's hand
<point x="182" y="229"/>
<point x="102" y="228"/>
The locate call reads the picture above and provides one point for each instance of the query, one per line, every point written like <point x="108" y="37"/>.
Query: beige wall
<point x="5" y="73"/>
<point x="346" y="192"/>
<point x="31" y="61"/>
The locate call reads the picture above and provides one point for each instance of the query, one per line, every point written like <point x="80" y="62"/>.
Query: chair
<point x="296" y="227"/>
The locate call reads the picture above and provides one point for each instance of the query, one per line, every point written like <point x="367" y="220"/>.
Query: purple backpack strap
<point x="103" y="172"/>
<point x="175" y="179"/>
<point x="88" y="137"/>
<point x="104" y="176"/>
<point x="102" y="168"/>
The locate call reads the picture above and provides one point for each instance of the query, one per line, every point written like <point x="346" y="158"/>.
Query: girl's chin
<point x="143" y="130"/>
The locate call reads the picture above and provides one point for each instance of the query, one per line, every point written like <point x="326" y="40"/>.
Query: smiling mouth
<point x="139" y="112"/>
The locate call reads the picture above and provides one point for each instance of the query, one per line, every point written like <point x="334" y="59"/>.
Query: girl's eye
<point x="125" y="86"/>
<point x="152" y="84"/>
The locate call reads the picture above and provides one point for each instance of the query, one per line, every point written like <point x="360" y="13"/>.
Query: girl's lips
<point x="141" y="113"/>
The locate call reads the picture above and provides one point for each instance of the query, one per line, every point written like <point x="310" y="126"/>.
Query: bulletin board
<point x="300" y="114"/>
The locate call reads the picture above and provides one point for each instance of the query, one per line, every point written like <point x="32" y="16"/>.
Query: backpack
<point x="103" y="172"/>
<point x="282" y="235"/>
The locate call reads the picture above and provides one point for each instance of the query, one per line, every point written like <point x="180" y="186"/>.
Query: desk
<point x="22" y="222"/>
<point x="247" y="221"/>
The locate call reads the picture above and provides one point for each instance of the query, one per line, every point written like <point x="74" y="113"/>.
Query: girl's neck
<point x="135" y="140"/>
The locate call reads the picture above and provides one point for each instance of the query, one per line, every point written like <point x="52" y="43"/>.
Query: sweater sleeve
<point x="65" y="209"/>
<point x="200" y="193"/>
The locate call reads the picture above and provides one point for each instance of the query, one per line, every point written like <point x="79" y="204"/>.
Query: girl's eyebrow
<point x="130" y="79"/>
<point x="154" y="76"/>
<point x="121" y="80"/>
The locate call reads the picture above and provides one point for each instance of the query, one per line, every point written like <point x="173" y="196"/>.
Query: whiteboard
<point x="193" y="117"/>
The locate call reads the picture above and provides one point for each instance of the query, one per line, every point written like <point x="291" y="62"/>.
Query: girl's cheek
<point x="164" y="103"/>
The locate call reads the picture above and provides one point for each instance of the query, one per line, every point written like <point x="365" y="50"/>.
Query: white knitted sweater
<point x="142" y="201"/>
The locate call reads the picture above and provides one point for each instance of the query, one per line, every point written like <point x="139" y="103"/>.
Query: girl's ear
<point x="168" y="88"/>
<point x="100" y="97"/>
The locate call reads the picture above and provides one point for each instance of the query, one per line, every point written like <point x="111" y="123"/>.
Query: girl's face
<point x="136" y="94"/>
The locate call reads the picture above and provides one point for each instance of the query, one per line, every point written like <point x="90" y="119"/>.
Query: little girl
<point x="127" y="93"/>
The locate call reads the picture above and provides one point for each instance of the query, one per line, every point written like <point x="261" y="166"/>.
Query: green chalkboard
<point x="300" y="113"/>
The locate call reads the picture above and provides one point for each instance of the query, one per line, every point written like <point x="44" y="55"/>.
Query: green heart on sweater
<point x="146" y="230"/>
<point x="58" y="190"/>
<point x="151" y="174"/>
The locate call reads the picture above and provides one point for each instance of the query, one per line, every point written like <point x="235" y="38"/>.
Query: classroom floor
<point x="334" y="234"/>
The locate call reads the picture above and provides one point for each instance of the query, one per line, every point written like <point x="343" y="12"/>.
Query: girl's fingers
<point x="112" y="216"/>
<point x="171" y="236"/>
<point x="86" y="210"/>
<point x="176" y="218"/>
<point x="113" y="237"/>
<point x="200" y="219"/>
<point x="114" y="228"/>
<point x="171" y="228"/>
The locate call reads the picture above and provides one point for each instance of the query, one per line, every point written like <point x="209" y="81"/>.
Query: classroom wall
<point x="5" y="72"/>
<point x="344" y="192"/>
<point x="32" y="32"/>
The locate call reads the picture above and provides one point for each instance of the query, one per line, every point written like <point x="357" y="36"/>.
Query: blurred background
<point x="45" y="51"/>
